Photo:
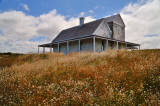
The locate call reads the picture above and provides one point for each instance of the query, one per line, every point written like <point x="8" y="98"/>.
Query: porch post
<point x="38" y="49"/>
<point x="58" y="47"/>
<point x="79" y="45"/>
<point x="50" y="48"/>
<point x="94" y="48"/>
<point x="43" y="49"/>
<point x="117" y="45"/>
<point x="106" y="44"/>
<point x="67" y="47"/>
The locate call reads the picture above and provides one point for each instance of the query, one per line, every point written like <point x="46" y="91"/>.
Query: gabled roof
<point x="85" y="29"/>
<point x="111" y="18"/>
<point x="115" y="19"/>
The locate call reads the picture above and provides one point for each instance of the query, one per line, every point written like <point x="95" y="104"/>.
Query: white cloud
<point x="96" y="7"/>
<point x="25" y="6"/>
<point x="82" y="14"/>
<point x="142" y="21"/>
<point x="18" y="29"/>
<point x="91" y="11"/>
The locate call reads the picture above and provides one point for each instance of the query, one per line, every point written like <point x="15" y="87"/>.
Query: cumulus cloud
<point x="17" y="30"/>
<point x="142" y="21"/>
<point x="25" y="6"/>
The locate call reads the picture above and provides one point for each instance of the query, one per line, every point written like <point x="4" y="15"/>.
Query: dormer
<point x="117" y="27"/>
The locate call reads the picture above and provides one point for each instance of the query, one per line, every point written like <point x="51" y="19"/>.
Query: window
<point x="80" y="45"/>
<point x="59" y="48"/>
<point x="119" y="45"/>
<point x="112" y="44"/>
<point x="102" y="45"/>
<point x="119" y="30"/>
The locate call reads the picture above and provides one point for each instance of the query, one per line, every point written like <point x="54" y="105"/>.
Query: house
<point x="96" y="36"/>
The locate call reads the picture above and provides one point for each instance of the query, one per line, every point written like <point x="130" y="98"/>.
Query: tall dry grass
<point x="7" y="61"/>
<point x="107" y="78"/>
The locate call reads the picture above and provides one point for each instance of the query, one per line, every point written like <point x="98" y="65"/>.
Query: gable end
<point x="118" y="20"/>
<point x="103" y="30"/>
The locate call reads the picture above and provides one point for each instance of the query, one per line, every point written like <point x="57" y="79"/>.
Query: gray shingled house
<point x="96" y="36"/>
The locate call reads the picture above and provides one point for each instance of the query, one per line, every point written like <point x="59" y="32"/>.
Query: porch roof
<point x="85" y="37"/>
<point x="45" y="45"/>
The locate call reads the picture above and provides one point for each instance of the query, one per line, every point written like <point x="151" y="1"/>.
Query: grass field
<point x="107" y="78"/>
<point x="8" y="59"/>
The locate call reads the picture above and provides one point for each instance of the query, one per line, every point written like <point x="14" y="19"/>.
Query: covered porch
<point x="93" y="43"/>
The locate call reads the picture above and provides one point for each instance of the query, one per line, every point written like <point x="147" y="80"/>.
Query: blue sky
<point x="70" y="8"/>
<point x="25" y="24"/>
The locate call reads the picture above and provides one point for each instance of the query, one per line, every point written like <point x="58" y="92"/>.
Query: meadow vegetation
<point x="8" y="59"/>
<point x="107" y="78"/>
